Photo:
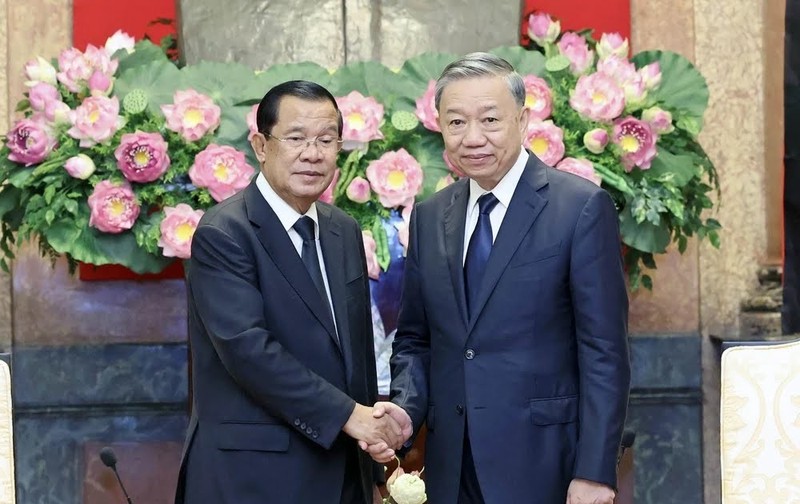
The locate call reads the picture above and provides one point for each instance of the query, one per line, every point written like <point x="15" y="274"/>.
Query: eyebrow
<point x="485" y="108"/>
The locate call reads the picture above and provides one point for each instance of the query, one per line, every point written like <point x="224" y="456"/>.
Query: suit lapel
<point x="455" y="217"/>
<point x="526" y="205"/>
<point x="330" y="237"/>
<point x="276" y="242"/>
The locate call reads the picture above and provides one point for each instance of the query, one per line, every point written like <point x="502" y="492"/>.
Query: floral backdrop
<point x="118" y="151"/>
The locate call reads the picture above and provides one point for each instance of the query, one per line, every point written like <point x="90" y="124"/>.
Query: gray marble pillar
<point x="260" y="33"/>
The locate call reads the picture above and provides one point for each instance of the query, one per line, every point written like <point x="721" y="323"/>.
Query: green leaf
<point x="683" y="89"/>
<point x="9" y="199"/>
<point x="428" y="153"/>
<point x="279" y="73"/>
<point x="371" y="78"/>
<point x="145" y="52"/>
<point x="159" y="80"/>
<point x="419" y="71"/>
<point x="23" y="105"/>
<point x="557" y="63"/>
<point x="524" y="62"/>
<point x="226" y="83"/>
<point x="647" y="282"/>
<point x="20" y="177"/>
<point x="681" y="167"/>
<point x="49" y="192"/>
<point x="643" y="236"/>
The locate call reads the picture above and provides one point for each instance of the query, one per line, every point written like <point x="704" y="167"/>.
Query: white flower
<point x="120" y="40"/>
<point x="408" y="489"/>
<point x="39" y="70"/>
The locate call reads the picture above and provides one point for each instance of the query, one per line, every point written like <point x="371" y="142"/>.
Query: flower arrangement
<point x="405" y="488"/>
<point x="117" y="152"/>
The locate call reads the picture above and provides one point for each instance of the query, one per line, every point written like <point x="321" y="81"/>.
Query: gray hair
<point x="481" y="64"/>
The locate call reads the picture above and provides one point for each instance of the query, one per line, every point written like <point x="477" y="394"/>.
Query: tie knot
<point x="305" y="228"/>
<point x="487" y="202"/>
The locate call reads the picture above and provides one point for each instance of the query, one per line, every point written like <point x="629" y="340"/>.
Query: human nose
<point x="474" y="135"/>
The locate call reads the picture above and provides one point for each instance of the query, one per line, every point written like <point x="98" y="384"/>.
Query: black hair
<point x="267" y="114"/>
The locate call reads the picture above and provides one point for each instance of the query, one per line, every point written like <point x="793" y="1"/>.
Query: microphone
<point x="110" y="460"/>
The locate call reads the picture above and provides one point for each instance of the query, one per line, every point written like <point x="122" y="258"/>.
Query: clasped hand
<point x="379" y="430"/>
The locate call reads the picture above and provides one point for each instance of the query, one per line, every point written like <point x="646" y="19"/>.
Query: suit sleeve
<point x="230" y="304"/>
<point x="410" y="362"/>
<point x="600" y="302"/>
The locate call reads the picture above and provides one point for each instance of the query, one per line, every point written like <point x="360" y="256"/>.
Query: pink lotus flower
<point x="327" y="195"/>
<point x="426" y="108"/>
<point x="192" y="115"/>
<point x="95" y="120"/>
<point x="598" y="97"/>
<point x="119" y="40"/>
<point x="29" y="142"/>
<point x="538" y="98"/>
<point x="576" y="50"/>
<point x="370" y="248"/>
<point x="546" y="140"/>
<point x="222" y="170"/>
<point x="612" y="44"/>
<point x="100" y="84"/>
<point x="177" y="228"/>
<point x="624" y="74"/>
<point x="455" y="170"/>
<point x="362" y="118"/>
<point x="358" y="191"/>
<point x="113" y="207"/>
<point x="660" y="120"/>
<point x="40" y="70"/>
<point x="80" y="167"/>
<point x="444" y="182"/>
<point x="396" y="177"/>
<point x="41" y="94"/>
<point x="651" y="75"/>
<point x="252" y="124"/>
<point x="580" y="167"/>
<point x="77" y="67"/>
<point x="637" y="142"/>
<point x="142" y="157"/>
<point x="542" y="29"/>
<point x="596" y="140"/>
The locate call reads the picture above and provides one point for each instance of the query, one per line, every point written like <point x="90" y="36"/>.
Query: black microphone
<point x="110" y="460"/>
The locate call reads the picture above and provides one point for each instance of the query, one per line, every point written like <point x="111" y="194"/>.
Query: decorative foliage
<point x="117" y="151"/>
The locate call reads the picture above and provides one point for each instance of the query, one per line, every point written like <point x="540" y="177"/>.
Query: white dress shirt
<point x="503" y="191"/>
<point x="288" y="217"/>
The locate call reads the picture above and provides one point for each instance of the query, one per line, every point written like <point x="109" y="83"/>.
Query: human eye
<point x="327" y="141"/>
<point x="295" y="140"/>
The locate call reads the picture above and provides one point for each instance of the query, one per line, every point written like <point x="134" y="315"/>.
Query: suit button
<point x="296" y="422"/>
<point x="469" y="354"/>
<point x="315" y="434"/>
<point x="309" y="431"/>
<point x="303" y="426"/>
<point x="460" y="409"/>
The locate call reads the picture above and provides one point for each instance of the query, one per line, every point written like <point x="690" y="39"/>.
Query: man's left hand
<point x="583" y="491"/>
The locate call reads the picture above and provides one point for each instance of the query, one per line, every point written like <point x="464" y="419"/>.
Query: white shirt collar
<point x="286" y="214"/>
<point x="504" y="189"/>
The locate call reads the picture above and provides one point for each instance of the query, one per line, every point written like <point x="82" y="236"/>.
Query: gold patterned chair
<point x="760" y="424"/>
<point x="7" y="490"/>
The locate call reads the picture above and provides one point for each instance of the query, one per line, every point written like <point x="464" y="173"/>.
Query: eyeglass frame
<point x="308" y="142"/>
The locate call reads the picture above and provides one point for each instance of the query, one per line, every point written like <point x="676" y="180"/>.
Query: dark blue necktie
<point x="305" y="228"/>
<point x="480" y="246"/>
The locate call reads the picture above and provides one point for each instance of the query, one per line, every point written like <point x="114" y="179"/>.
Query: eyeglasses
<point x="327" y="143"/>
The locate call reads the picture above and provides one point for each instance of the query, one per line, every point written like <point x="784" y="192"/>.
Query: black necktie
<point x="480" y="246"/>
<point x="305" y="228"/>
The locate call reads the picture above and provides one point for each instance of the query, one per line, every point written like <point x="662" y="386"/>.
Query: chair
<point x="760" y="424"/>
<point x="7" y="489"/>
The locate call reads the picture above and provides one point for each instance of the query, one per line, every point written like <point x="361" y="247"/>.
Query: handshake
<point x="379" y="430"/>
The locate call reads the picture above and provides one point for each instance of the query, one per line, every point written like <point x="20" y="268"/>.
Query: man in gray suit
<point x="280" y="328"/>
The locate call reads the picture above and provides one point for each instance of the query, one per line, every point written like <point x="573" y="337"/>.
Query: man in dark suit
<point x="280" y="328"/>
<point x="511" y="341"/>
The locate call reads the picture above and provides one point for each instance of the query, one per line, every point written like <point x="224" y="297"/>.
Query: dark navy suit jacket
<point x="540" y="371"/>
<point x="272" y="387"/>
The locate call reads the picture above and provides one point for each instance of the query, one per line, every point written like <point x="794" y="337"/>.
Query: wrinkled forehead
<point x="302" y="114"/>
<point x="477" y="94"/>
